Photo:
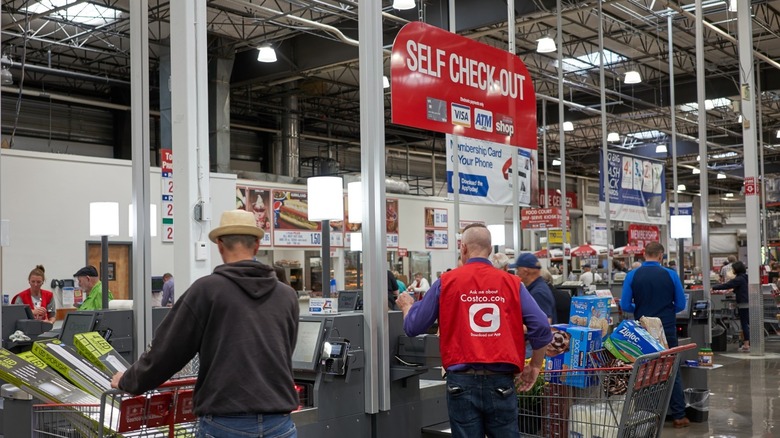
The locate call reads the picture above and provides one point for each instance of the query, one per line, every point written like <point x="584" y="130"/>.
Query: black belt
<point x="482" y="372"/>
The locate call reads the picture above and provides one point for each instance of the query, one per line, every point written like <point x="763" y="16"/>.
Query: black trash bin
<point x="719" y="341"/>
<point x="697" y="402"/>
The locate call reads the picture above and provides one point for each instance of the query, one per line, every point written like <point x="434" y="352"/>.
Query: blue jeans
<point x="744" y="319"/>
<point x="246" y="425"/>
<point x="482" y="405"/>
<point x="677" y="400"/>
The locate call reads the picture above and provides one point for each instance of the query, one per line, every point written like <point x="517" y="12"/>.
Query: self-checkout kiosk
<point x="329" y="369"/>
<point x="116" y="326"/>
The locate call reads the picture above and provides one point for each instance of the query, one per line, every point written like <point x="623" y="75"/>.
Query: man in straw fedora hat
<point x="243" y="323"/>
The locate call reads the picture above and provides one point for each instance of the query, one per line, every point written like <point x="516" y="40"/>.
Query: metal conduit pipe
<point x="716" y="29"/>
<point x="64" y="73"/>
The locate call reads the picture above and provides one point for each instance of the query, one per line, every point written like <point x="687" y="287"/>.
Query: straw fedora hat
<point x="236" y="222"/>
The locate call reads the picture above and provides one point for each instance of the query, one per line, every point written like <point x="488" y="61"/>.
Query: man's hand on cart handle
<point x="115" y="380"/>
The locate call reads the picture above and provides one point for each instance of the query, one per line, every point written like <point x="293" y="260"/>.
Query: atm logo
<point x="461" y="115"/>
<point x="484" y="318"/>
<point x="483" y="120"/>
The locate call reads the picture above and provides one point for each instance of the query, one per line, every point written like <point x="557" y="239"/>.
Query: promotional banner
<point x="485" y="170"/>
<point x="391" y="217"/>
<point x="291" y="224"/>
<point x="598" y="234"/>
<point x="636" y="189"/>
<point x="541" y="218"/>
<point x="257" y="201"/>
<point x="166" y="178"/>
<point x="447" y="83"/>
<point x="436" y="231"/>
<point x="685" y="209"/>
<point x="641" y="235"/>
<point x="554" y="198"/>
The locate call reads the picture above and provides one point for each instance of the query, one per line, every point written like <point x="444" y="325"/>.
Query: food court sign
<point x="450" y="84"/>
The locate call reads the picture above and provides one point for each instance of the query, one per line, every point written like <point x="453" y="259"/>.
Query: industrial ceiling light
<point x="385" y="82"/>
<point x="613" y="137"/>
<point x="729" y="195"/>
<point x="696" y="171"/>
<point x="721" y="175"/>
<point x="556" y="162"/>
<point x="733" y="6"/>
<point x="568" y="126"/>
<point x="681" y="188"/>
<point x="266" y="53"/>
<point x="632" y="77"/>
<point x="660" y="149"/>
<point x="403" y="5"/>
<point x="545" y="45"/>
<point x="778" y="133"/>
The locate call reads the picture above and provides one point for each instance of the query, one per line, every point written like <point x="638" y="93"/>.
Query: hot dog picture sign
<point x="291" y="223"/>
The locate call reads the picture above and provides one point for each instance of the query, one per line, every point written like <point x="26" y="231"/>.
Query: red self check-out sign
<point x="450" y="84"/>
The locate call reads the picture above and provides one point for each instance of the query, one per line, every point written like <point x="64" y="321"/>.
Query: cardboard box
<point x="65" y="360"/>
<point x="42" y="383"/>
<point x="47" y="385"/>
<point x="581" y="340"/>
<point x="323" y="306"/>
<point x="591" y="311"/>
<point x="630" y="340"/>
<point x="100" y="353"/>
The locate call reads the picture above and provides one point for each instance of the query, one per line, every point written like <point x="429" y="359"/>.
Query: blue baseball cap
<point x="526" y="260"/>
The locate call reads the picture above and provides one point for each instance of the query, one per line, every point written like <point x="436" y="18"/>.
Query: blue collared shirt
<point x="652" y="290"/>
<point x="426" y="311"/>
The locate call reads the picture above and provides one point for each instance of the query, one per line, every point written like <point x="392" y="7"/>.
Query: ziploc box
<point x="590" y="311"/>
<point x="65" y="360"/>
<point x="100" y="353"/>
<point x="630" y="340"/>
<point x="581" y="340"/>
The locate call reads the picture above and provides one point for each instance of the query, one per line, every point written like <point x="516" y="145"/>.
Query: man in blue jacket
<point x="652" y="290"/>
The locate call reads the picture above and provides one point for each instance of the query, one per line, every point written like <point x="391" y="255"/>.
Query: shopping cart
<point x="604" y="401"/>
<point x="164" y="412"/>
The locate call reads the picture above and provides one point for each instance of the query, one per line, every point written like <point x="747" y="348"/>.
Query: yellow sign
<point x="556" y="236"/>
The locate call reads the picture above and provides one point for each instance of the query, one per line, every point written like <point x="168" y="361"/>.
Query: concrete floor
<point x="743" y="396"/>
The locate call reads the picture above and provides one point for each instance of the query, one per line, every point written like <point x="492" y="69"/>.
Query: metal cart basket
<point x="603" y="401"/>
<point x="164" y="412"/>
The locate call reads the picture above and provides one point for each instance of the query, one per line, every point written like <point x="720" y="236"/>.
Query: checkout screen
<point x="307" y="346"/>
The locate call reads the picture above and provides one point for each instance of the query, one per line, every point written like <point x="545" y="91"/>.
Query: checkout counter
<point x="329" y="369"/>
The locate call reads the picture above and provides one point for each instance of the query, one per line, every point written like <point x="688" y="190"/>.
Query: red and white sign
<point x="166" y="160"/>
<point x="447" y="83"/>
<point x="166" y="181"/>
<point x="750" y="186"/>
<point x="541" y="218"/>
<point x="403" y="252"/>
<point x="554" y="198"/>
<point x="641" y="235"/>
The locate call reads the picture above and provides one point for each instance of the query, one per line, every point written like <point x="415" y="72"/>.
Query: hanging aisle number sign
<point x="166" y="159"/>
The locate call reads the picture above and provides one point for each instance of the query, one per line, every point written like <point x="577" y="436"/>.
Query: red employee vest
<point x="26" y="297"/>
<point x="480" y="317"/>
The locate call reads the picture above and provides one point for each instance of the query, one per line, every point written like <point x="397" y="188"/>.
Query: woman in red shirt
<point x="40" y="301"/>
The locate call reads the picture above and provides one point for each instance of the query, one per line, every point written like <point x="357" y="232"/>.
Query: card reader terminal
<point x="334" y="356"/>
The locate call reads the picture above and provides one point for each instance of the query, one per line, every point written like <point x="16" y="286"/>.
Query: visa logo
<point x="461" y="115"/>
<point x="483" y="120"/>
